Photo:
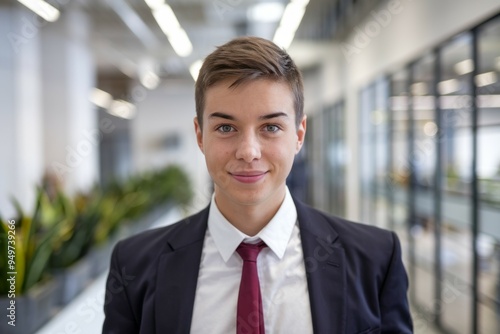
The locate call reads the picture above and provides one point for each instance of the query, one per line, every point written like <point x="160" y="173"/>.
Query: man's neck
<point x="250" y="218"/>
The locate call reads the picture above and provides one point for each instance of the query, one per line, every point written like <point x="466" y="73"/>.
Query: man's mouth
<point x="248" y="176"/>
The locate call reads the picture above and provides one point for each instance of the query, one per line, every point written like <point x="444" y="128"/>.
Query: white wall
<point x="71" y="148"/>
<point x="46" y="75"/>
<point x="417" y="26"/>
<point x="20" y="111"/>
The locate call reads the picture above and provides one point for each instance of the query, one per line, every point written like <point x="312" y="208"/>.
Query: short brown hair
<point x="249" y="58"/>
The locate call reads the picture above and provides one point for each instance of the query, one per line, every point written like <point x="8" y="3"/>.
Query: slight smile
<point x="248" y="177"/>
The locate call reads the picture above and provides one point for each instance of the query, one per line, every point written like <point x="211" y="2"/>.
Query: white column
<point x="21" y="166"/>
<point x="70" y="120"/>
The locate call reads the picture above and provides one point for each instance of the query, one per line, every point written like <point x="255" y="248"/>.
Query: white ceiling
<point x="125" y="35"/>
<point x="207" y="23"/>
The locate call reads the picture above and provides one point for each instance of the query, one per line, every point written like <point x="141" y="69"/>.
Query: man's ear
<point x="199" y="134"/>
<point x="301" y="133"/>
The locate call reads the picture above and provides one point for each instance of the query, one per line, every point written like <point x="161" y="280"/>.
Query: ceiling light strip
<point x="171" y="27"/>
<point x="42" y="9"/>
<point x="290" y="21"/>
<point x="194" y="69"/>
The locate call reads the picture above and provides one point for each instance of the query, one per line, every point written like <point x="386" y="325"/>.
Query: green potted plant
<point x="68" y="261"/>
<point x="71" y="238"/>
<point x="129" y="207"/>
<point x="34" y="291"/>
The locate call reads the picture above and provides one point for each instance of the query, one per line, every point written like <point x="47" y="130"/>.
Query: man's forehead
<point x="257" y="99"/>
<point x="234" y="83"/>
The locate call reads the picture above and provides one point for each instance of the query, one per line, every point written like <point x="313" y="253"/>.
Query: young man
<point x="256" y="260"/>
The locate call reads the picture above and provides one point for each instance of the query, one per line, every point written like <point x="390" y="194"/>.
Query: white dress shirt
<point x="281" y="269"/>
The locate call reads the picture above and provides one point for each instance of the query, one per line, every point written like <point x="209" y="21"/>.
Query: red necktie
<point x="250" y="319"/>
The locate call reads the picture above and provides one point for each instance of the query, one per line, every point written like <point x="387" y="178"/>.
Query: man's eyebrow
<point x="274" y="115"/>
<point x="263" y="117"/>
<point x="221" y="115"/>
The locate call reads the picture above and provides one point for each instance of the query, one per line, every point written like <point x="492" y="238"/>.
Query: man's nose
<point x="248" y="148"/>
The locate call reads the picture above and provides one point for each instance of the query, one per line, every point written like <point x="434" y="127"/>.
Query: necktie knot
<point x="249" y="252"/>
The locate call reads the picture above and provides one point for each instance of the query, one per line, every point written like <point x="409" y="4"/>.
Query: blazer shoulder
<point x="367" y="241"/>
<point x="361" y="231"/>
<point x="354" y="235"/>
<point x="372" y="248"/>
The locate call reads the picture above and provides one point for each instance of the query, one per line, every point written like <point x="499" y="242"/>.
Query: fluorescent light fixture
<point x="464" y="67"/>
<point x="419" y="88"/>
<point x="154" y="4"/>
<point x="266" y="12"/>
<point x="147" y="73"/>
<point x="302" y="3"/>
<point x="430" y="129"/>
<point x="464" y="101"/>
<point x="455" y="102"/>
<point x="485" y="79"/>
<point x="283" y="37"/>
<point x="122" y="109"/>
<point x="170" y="26"/>
<point x="42" y="9"/>
<point x="424" y="102"/>
<point x="101" y="98"/>
<point x="399" y="103"/>
<point x="180" y="43"/>
<point x="194" y="69"/>
<point x="488" y="101"/>
<point x="290" y="21"/>
<point x="150" y="80"/>
<point x="448" y="86"/>
<point x="292" y="16"/>
<point x="166" y="19"/>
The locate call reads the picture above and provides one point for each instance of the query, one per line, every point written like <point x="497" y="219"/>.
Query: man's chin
<point x="251" y="197"/>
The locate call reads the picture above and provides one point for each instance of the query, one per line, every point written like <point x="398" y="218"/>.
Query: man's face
<point x="249" y="140"/>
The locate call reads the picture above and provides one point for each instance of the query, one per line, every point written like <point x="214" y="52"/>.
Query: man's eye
<point x="272" y="128"/>
<point x="225" y="128"/>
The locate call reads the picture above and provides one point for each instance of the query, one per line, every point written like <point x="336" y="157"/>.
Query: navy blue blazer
<point x="356" y="279"/>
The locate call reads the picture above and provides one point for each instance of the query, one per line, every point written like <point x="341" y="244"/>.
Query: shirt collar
<point x="275" y="234"/>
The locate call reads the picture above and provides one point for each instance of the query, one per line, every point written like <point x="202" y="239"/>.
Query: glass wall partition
<point x="424" y="134"/>
<point x="335" y="151"/>
<point x="366" y="170"/>
<point x="399" y="172"/>
<point x="437" y="150"/>
<point x="455" y="92"/>
<point x="488" y="175"/>
<point x="374" y="124"/>
<point x="326" y="159"/>
<point x="380" y="121"/>
<point x="316" y="192"/>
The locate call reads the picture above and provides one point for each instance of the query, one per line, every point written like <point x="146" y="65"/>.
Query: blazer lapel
<point x="177" y="275"/>
<point x="325" y="269"/>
